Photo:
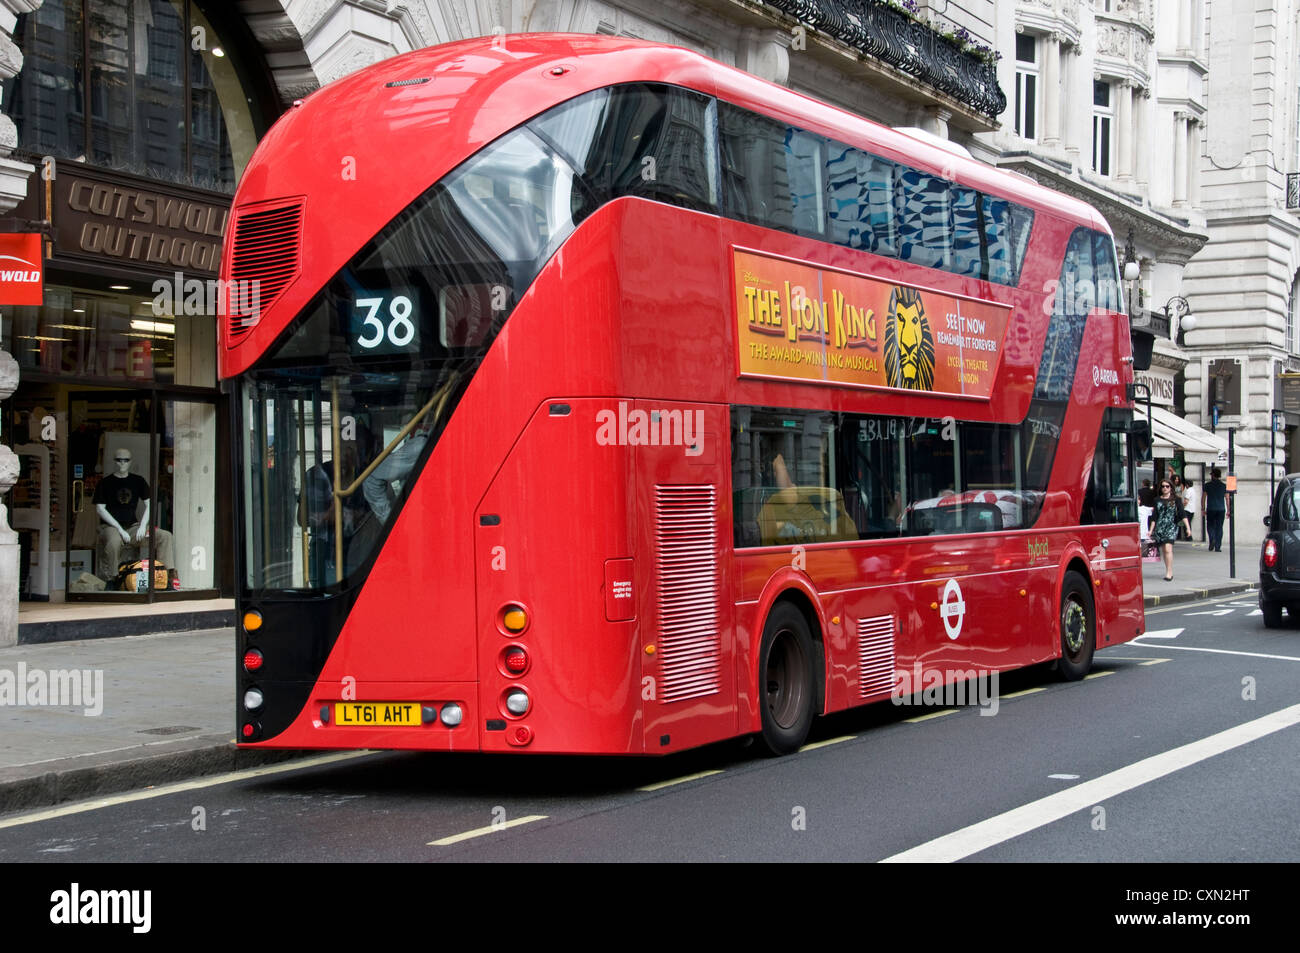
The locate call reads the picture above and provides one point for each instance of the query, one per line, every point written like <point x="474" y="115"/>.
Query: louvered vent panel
<point x="267" y="251"/>
<point x="687" y="567"/>
<point x="876" y="655"/>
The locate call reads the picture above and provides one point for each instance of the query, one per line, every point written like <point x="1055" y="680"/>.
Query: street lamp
<point x="1178" y="310"/>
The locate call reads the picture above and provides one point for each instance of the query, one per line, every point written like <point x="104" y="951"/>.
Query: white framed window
<point x="1027" y="85"/>
<point x="1293" y="318"/>
<point x="1103" y="127"/>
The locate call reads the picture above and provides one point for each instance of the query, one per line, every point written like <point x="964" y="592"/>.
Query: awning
<point x="1169" y="432"/>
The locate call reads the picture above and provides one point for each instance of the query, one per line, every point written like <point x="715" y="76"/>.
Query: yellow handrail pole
<point x="338" y="510"/>
<point x="440" y="397"/>
<point x="305" y="509"/>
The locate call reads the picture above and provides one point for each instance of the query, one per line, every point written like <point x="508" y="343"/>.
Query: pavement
<point x="158" y="708"/>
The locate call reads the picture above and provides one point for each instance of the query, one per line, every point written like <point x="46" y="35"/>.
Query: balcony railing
<point x="913" y="47"/>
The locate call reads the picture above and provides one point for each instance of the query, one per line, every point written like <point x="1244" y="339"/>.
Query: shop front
<point x="118" y="421"/>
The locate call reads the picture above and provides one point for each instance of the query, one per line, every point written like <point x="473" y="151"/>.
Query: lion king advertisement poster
<point x="805" y="322"/>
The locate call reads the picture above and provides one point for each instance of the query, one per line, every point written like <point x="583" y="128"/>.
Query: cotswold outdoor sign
<point x="114" y="219"/>
<point x="800" y="321"/>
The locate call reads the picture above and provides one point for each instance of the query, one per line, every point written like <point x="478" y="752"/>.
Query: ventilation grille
<point x="687" y="575"/>
<point x="876" y="655"/>
<point x="408" y="82"/>
<point x="264" y="261"/>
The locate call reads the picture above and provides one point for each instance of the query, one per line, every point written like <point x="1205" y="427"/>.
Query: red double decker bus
<point x="595" y="397"/>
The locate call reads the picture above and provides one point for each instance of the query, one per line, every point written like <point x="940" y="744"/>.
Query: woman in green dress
<point x="1165" y="522"/>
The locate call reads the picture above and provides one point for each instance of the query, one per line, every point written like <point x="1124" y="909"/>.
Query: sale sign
<point x="22" y="280"/>
<point x="803" y="322"/>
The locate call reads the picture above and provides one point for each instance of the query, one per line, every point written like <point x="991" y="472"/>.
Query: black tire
<point x="786" y="690"/>
<point x="1078" y="626"/>
<point x="1272" y="613"/>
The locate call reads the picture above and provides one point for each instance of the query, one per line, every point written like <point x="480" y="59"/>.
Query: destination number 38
<point x="383" y="323"/>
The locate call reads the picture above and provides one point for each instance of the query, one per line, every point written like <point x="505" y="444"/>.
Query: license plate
<point x="377" y="714"/>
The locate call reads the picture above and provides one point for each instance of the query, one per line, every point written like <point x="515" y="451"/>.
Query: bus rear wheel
<point x="785" y="680"/>
<point x="1078" y="627"/>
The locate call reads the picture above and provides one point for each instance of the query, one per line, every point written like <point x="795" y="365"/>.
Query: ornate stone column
<point x="14" y="178"/>
<point x="1124" y="132"/>
<point x="1052" y="91"/>
<point x="1180" y="159"/>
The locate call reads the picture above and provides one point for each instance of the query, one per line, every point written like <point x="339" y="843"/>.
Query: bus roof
<point x="505" y="71"/>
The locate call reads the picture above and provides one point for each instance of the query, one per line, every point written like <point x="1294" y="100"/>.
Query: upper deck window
<point x="783" y="177"/>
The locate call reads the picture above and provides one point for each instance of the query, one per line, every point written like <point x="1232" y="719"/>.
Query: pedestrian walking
<point x="1166" y="523"/>
<point x="1214" y="507"/>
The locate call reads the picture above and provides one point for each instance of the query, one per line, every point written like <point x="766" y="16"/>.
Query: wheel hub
<point x="1074" y="626"/>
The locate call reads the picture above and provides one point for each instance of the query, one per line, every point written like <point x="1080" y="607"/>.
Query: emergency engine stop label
<point x="804" y="322"/>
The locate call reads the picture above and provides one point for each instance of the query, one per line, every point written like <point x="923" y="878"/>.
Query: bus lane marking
<point x="1022" y="693"/>
<point x="481" y="831"/>
<point x="1028" y="817"/>
<point x="178" y="788"/>
<point x="829" y="741"/>
<point x="660" y="785"/>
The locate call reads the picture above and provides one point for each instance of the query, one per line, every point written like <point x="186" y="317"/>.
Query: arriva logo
<point x="7" y="274"/>
<point x="1104" y="375"/>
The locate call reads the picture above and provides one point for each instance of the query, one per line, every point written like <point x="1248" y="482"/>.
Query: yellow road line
<point x="660" y="785"/>
<point x="1087" y="678"/>
<point x="934" y="714"/>
<point x="1022" y="694"/>
<point x="207" y="782"/>
<point x="480" y="831"/>
<point x="1155" y="661"/>
<point x="829" y="741"/>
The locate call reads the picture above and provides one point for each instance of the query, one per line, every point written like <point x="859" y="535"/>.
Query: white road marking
<point x="658" y="786"/>
<point x="1036" y="814"/>
<point x="480" y="831"/>
<point x="1256" y="612"/>
<point x="1160" y="634"/>
<point x="166" y="789"/>
<point x="1213" y="612"/>
<point x="1189" y="648"/>
<point x="1063" y="777"/>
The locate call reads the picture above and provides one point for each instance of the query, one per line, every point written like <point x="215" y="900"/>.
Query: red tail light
<point x="1270" y="553"/>
<point x="252" y="660"/>
<point x="515" y="660"/>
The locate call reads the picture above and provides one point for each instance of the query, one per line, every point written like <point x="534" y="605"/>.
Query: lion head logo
<point x="909" y="345"/>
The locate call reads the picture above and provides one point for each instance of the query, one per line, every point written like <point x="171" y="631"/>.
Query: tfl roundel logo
<point x="952" y="608"/>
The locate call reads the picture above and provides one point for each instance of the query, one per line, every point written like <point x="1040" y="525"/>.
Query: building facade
<point x="1243" y="286"/>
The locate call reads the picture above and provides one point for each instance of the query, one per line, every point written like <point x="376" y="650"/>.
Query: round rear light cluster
<point x="517" y="702"/>
<point x="253" y="660"/>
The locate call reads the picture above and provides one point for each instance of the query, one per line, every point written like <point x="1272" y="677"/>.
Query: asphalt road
<point x="1182" y="746"/>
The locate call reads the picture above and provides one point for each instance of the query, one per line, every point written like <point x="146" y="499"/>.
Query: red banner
<point x="22" y="278"/>
<point x="797" y="320"/>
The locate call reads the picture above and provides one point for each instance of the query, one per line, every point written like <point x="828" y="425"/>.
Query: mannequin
<point x="116" y="500"/>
